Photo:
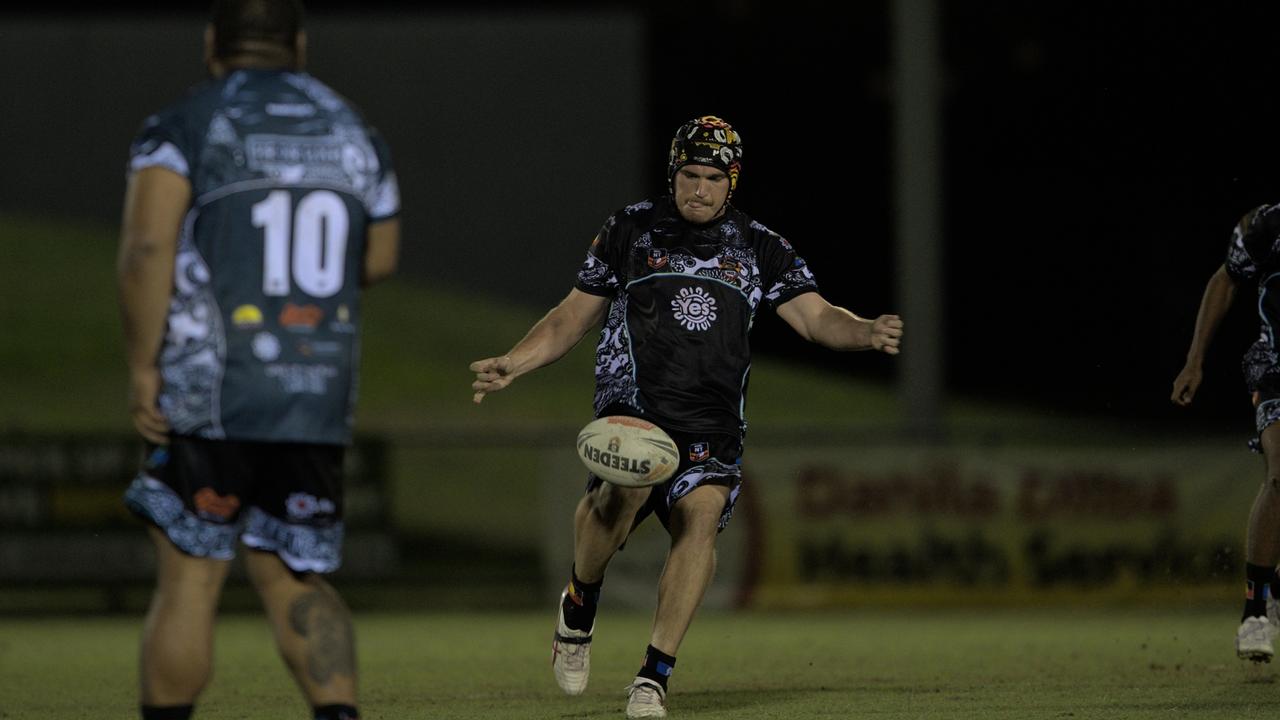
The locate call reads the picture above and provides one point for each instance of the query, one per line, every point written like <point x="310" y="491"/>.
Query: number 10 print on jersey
<point x="319" y="225"/>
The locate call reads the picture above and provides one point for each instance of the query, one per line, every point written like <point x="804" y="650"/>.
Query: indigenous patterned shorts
<point x="206" y="495"/>
<point x="1266" y="410"/>
<point x="705" y="459"/>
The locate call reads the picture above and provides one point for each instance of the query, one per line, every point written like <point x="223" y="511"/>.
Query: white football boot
<point x="1253" y="640"/>
<point x="646" y="699"/>
<point x="1273" y="615"/>
<point x="570" y="653"/>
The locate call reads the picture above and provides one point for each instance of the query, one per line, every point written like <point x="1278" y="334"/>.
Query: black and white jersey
<point x="674" y="347"/>
<point x="1253" y="257"/>
<point x="261" y="342"/>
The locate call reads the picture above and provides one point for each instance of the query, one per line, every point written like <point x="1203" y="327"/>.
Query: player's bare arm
<point x="382" y="251"/>
<point x="834" y="327"/>
<point x="156" y="200"/>
<point x="1217" y="299"/>
<point x="547" y="341"/>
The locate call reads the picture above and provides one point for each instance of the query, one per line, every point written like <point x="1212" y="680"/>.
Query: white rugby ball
<point x="627" y="451"/>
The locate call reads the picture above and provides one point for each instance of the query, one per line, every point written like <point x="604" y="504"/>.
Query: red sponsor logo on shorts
<point x="210" y="503"/>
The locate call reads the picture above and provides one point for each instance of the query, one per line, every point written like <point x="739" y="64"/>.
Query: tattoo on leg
<point x="321" y="618"/>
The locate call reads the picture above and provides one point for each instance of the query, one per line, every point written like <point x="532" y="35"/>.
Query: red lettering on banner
<point x="1094" y="493"/>
<point x="826" y="492"/>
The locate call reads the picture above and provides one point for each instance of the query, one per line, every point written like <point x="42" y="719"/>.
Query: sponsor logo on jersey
<point x="212" y="506"/>
<point x="694" y="308"/>
<point x="732" y="269"/>
<point x="247" y="317"/>
<point x="301" y="506"/>
<point x="271" y="151"/>
<point x="266" y="347"/>
<point x="657" y="258"/>
<point x="320" y="348"/>
<point x="300" y="318"/>
<point x="342" y="321"/>
<point x="699" y="451"/>
<point x="302" y="379"/>
<point x="291" y="109"/>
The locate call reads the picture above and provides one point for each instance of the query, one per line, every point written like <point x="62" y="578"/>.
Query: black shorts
<point x="705" y="459"/>
<point x="206" y="495"/>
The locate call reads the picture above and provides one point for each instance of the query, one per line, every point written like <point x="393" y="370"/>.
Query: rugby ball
<point x="627" y="451"/>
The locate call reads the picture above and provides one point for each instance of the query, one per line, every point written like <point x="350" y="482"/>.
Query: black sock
<point x="1257" y="586"/>
<point x="657" y="666"/>
<point x="167" y="712"/>
<point x="580" y="602"/>
<point x="336" y="712"/>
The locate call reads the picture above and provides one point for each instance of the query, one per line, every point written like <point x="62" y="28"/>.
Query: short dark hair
<point x="240" y="23"/>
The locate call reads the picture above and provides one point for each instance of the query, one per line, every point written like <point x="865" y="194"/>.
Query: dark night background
<point x="1096" y="156"/>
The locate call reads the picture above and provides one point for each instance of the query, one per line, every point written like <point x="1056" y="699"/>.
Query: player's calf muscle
<point x="324" y="623"/>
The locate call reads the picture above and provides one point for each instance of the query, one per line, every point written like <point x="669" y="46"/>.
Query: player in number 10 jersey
<point x="285" y="178"/>
<point x="257" y="207"/>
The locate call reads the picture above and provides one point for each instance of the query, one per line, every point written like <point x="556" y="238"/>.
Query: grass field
<point x="1065" y="663"/>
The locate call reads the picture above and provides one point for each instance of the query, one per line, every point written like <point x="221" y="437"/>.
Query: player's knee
<point x="172" y="673"/>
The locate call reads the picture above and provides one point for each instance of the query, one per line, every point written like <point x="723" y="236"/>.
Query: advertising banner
<point x="824" y="525"/>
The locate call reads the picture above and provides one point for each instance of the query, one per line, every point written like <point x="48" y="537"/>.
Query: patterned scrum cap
<point x="707" y="140"/>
